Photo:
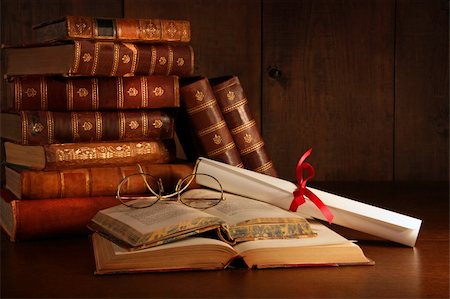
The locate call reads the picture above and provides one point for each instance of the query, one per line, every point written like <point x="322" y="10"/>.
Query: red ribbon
<point x="302" y="191"/>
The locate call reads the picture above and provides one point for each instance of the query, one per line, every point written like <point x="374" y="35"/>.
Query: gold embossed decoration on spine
<point x="243" y="127"/>
<point x="45" y="127"/>
<point x="207" y="120"/>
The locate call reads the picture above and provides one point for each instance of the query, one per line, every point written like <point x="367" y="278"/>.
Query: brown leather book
<point x="45" y="218"/>
<point x="92" y="93"/>
<point x="87" y="181"/>
<point x="100" y="58"/>
<point x="207" y="121"/>
<point x="243" y="127"/>
<point x="89" y="154"/>
<point x="129" y="29"/>
<point x="48" y="127"/>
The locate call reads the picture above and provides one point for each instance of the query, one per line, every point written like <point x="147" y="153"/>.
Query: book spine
<point x="208" y="122"/>
<point x="93" y="58"/>
<point x="43" y="218"/>
<point x="243" y="127"/>
<point x="47" y="127"/>
<point x="94" y="93"/>
<point x="148" y="30"/>
<point x="72" y="155"/>
<point x="94" y="181"/>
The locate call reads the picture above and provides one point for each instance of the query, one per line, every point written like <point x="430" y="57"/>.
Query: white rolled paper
<point x="349" y="213"/>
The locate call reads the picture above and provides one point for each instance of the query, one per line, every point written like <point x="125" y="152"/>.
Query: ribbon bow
<point x="302" y="191"/>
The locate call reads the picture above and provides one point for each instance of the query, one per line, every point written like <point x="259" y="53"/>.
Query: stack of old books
<point x="91" y="99"/>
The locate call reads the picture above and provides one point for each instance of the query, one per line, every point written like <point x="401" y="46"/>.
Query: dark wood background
<point x="364" y="83"/>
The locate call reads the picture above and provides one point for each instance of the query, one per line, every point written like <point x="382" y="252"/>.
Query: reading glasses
<point x="142" y="190"/>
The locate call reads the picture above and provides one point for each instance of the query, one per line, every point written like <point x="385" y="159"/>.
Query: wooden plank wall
<point x="334" y="91"/>
<point x="365" y="83"/>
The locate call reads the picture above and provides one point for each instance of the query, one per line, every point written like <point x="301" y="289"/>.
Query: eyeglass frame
<point x="167" y="197"/>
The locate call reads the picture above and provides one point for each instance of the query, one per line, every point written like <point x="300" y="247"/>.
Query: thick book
<point x="89" y="154"/>
<point x="87" y="181"/>
<point x="98" y="58"/>
<point x="45" y="218"/>
<point x="207" y="122"/>
<point x="48" y="127"/>
<point x="122" y="29"/>
<point x="327" y="248"/>
<point x="235" y="219"/>
<point x="57" y="93"/>
<point x="243" y="127"/>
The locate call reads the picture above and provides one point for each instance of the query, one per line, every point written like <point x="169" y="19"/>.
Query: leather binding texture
<point x="243" y="127"/>
<point x="92" y="93"/>
<point x="90" y="154"/>
<point x="207" y="120"/>
<point x="88" y="181"/>
<point x="45" y="218"/>
<point x="100" y="58"/>
<point x="47" y="127"/>
<point x="129" y="29"/>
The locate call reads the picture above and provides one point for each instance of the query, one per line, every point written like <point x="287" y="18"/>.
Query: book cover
<point x="56" y="93"/>
<point x="117" y="29"/>
<point x="327" y="248"/>
<point x="45" y="218"/>
<point x="233" y="103"/>
<point x="48" y="127"/>
<point x="207" y="122"/>
<point x="235" y="219"/>
<point x="100" y="58"/>
<point x="90" y="154"/>
<point x="87" y="181"/>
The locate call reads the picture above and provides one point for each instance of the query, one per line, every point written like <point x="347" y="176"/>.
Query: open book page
<point x="325" y="236"/>
<point x="249" y="219"/>
<point x="235" y="209"/>
<point x="162" y="221"/>
<point x="327" y="248"/>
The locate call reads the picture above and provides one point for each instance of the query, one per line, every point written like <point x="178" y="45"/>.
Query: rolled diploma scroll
<point x="349" y="213"/>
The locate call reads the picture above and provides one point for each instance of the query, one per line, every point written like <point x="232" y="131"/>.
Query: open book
<point x="327" y="248"/>
<point x="234" y="219"/>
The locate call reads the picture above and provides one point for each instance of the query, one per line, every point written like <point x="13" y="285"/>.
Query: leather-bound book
<point x="56" y="93"/>
<point x="46" y="218"/>
<point x="129" y="29"/>
<point x="207" y="121"/>
<point x="90" y="154"/>
<point x="48" y="127"/>
<point x="87" y="181"/>
<point x="243" y="127"/>
<point x="100" y="58"/>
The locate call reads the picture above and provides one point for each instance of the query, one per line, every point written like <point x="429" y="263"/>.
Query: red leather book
<point x="48" y="127"/>
<point x="44" y="218"/>
<point x="87" y="181"/>
<point x="90" y="154"/>
<point x="100" y="58"/>
<point x="129" y="29"/>
<point x="243" y="127"/>
<point x="207" y="121"/>
<point x="92" y="93"/>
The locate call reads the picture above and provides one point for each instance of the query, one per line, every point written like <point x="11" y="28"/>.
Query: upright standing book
<point x="243" y="127"/>
<point x="206" y="120"/>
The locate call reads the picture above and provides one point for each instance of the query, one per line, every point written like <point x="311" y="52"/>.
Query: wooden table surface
<point x="64" y="267"/>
